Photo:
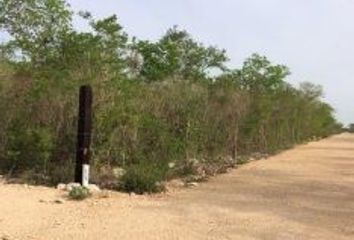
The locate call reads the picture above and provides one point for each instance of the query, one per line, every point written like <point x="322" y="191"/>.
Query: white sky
<point x="314" y="38"/>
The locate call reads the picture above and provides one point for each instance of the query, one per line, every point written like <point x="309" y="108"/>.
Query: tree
<point x="177" y="55"/>
<point x="310" y="91"/>
<point x="259" y="75"/>
<point x="35" y="26"/>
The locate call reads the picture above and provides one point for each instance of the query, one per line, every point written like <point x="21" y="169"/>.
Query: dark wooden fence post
<point x="83" y="135"/>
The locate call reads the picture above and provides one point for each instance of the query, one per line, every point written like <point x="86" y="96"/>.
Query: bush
<point x="28" y="149"/>
<point x="62" y="172"/>
<point x="79" y="193"/>
<point x="142" y="178"/>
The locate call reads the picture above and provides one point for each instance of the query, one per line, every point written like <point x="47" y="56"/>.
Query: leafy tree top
<point x="176" y="54"/>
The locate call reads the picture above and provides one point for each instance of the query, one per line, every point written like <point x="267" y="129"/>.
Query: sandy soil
<point x="304" y="193"/>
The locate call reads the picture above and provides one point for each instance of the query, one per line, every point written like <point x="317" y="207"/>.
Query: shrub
<point x="142" y="178"/>
<point x="62" y="172"/>
<point x="79" y="193"/>
<point x="28" y="149"/>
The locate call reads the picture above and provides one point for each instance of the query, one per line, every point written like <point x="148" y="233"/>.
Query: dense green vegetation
<point x="159" y="106"/>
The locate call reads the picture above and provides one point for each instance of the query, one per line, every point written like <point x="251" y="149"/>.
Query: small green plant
<point x="79" y="193"/>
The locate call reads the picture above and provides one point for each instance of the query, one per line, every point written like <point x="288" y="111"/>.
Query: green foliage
<point x="28" y="149"/>
<point x="35" y="26"/>
<point x="79" y="193"/>
<point x="142" y="178"/>
<point x="155" y="103"/>
<point x="177" y="55"/>
<point x="258" y="75"/>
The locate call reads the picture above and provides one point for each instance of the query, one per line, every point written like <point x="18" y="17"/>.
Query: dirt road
<point x="304" y="193"/>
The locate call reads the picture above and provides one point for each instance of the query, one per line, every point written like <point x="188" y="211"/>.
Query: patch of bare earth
<point x="304" y="193"/>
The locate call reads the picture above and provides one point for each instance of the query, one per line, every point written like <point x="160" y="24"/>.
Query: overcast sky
<point x="314" y="38"/>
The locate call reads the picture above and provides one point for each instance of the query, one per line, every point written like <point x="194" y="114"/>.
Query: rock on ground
<point x="93" y="188"/>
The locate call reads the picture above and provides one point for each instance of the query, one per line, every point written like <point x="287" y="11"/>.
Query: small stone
<point x="42" y="201"/>
<point x="59" y="201"/>
<point x="61" y="186"/>
<point x="192" y="184"/>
